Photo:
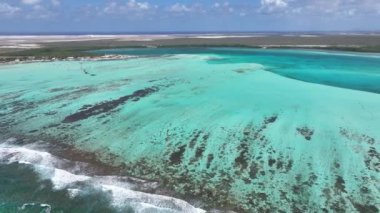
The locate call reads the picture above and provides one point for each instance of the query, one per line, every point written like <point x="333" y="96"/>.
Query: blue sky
<point x="186" y="15"/>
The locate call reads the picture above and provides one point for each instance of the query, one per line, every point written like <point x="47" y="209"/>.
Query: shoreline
<point x="65" y="46"/>
<point x="85" y="55"/>
<point x="33" y="59"/>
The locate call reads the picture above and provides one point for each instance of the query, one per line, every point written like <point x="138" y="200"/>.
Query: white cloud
<point x="216" y="5"/>
<point x="30" y="2"/>
<point x="179" y="8"/>
<point x="336" y="8"/>
<point x="33" y="11"/>
<point x="273" y="5"/>
<point x="6" y="9"/>
<point x="225" y="7"/>
<point x="133" y="4"/>
<point x="114" y="7"/>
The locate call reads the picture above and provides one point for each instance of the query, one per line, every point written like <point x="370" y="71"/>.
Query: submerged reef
<point x="104" y="107"/>
<point x="233" y="133"/>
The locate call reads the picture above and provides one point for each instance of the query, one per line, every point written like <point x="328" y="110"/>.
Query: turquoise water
<point x="244" y="129"/>
<point x="348" y="70"/>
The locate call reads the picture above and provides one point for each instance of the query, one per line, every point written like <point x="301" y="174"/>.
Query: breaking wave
<point x="65" y="175"/>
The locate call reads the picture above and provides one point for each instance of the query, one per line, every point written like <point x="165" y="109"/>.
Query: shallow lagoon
<point x="252" y="130"/>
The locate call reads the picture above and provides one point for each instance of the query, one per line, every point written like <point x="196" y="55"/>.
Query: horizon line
<point x="185" y="32"/>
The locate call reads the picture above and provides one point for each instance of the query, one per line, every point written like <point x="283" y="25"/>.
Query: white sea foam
<point x="43" y="205"/>
<point x="114" y="180"/>
<point x="12" y="154"/>
<point x="122" y="195"/>
<point x="62" y="178"/>
<point x="44" y="163"/>
<point x="121" y="191"/>
<point x="73" y="192"/>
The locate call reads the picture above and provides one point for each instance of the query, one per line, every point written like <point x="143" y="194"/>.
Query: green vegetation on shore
<point x="63" y="52"/>
<point x="51" y="52"/>
<point x="365" y="49"/>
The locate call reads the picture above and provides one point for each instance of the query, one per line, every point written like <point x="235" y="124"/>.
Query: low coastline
<point x="84" y="55"/>
<point x="35" y="59"/>
<point x="14" y="49"/>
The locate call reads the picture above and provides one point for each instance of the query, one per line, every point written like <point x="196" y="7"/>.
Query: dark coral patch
<point x="201" y="147"/>
<point x="372" y="160"/>
<point x="108" y="105"/>
<point x="58" y="89"/>
<point x="271" y="162"/>
<point x="253" y="170"/>
<point x="176" y="157"/>
<point x="270" y="120"/>
<point x="241" y="161"/>
<point x="366" y="208"/>
<point x="357" y="137"/>
<point x="194" y="139"/>
<point x="305" y="132"/>
<point x="199" y="152"/>
<point x="210" y="158"/>
<point x="340" y="184"/>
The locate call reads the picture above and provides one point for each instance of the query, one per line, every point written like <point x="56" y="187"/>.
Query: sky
<point x="54" y="16"/>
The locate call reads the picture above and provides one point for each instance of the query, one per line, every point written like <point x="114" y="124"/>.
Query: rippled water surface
<point x="244" y="129"/>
